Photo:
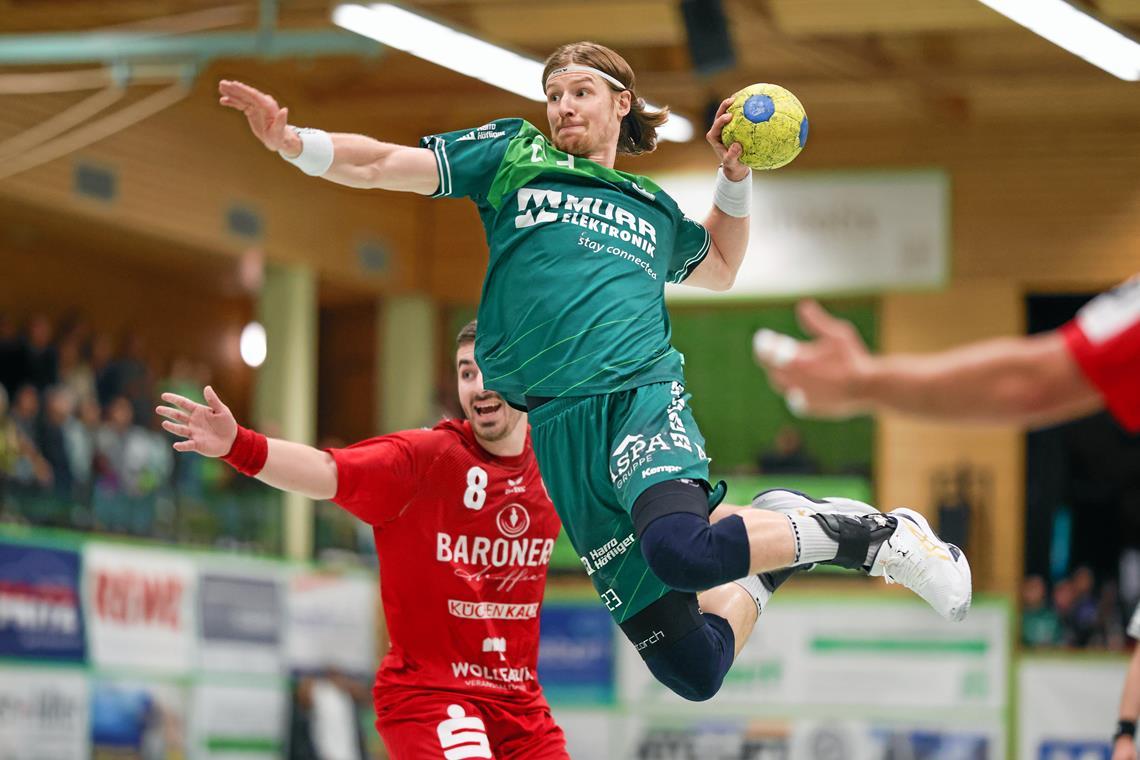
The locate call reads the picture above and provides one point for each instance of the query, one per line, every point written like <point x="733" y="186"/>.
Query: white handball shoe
<point x="914" y="556"/>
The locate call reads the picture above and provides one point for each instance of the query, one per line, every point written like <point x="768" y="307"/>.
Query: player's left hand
<point x="729" y="157"/>
<point x="822" y="377"/>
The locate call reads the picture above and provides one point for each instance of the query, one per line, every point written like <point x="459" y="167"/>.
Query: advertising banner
<point x="241" y="620"/>
<point x="1067" y="709"/>
<point x="834" y="232"/>
<point x="826" y="650"/>
<point x="331" y="623"/>
<point x="137" y="720"/>
<point x="44" y="714"/>
<point x="40" y="613"/>
<point x="240" y="721"/>
<point x="576" y="655"/>
<point x="139" y="607"/>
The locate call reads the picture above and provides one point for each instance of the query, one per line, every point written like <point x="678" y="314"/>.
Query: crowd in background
<point x="1077" y="611"/>
<point x="81" y="446"/>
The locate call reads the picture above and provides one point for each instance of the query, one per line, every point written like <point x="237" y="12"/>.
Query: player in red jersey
<point x="464" y="531"/>
<point x="1088" y="364"/>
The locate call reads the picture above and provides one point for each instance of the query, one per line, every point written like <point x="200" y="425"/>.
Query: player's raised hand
<point x="267" y="120"/>
<point x="209" y="430"/>
<point x="729" y="157"/>
<point x="822" y="377"/>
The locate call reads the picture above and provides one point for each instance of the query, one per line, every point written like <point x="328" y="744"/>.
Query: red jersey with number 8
<point x="464" y="540"/>
<point x="1104" y="338"/>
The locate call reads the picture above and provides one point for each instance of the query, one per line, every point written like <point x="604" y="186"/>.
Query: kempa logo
<point x="513" y="520"/>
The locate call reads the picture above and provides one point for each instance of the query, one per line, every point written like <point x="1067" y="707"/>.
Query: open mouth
<point x="486" y="408"/>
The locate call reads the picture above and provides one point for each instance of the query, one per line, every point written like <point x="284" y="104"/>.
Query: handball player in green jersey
<point x="573" y="328"/>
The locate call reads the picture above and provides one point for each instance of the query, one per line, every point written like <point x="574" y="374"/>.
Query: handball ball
<point x="770" y="125"/>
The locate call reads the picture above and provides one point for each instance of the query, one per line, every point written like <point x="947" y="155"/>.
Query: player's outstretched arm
<point x="211" y="430"/>
<point x="1028" y="381"/>
<point x="728" y="221"/>
<point x="347" y="159"/>
<point x="1124" y="745"/>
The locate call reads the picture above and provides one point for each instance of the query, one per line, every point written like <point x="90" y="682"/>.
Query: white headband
<point x="585" y="70"/>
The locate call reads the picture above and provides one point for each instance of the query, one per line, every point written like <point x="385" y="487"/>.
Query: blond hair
<point x="638" y="127"/>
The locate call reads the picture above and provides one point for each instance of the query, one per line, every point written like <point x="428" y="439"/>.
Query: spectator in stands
<point x="788" y="456"/>
<point x="111" y="441"/>
<point x="1111" y="623"/>
<point x="102" y="365"/>
<point x="74" y="371"/>
<point x="23" y="472"/>
<point x="80" y="433"/>
<point x="59" y="407"/>
<point x="1064" y="603"/>
<point x="41" y="363"/>
<point x="134" y="379"/>
<point x="1040" y="626"/>
<point x="11" y="355"/>
<point x="26" y="411"/>
<point x="1084" y="620"/>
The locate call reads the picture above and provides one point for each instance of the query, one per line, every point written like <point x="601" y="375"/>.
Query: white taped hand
<point x="773" y="348"/>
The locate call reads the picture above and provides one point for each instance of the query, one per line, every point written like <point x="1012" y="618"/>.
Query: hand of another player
<point x="268" y="121"/>
<point x="820" y="378"/>
<point x="729" y="157"/>
<point x="208" y="430"/>
<point x="1124" y="749"/>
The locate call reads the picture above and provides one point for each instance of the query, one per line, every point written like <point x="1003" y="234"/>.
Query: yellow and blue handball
<point x="769" y="123"/>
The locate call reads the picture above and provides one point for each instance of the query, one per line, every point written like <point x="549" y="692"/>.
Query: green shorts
<point x="597" y="454"/>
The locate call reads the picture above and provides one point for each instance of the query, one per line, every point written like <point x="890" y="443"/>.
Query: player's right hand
<point x="208" y="430"/>
<point x="1124" y="749"/>
<point x="268" y="121"/>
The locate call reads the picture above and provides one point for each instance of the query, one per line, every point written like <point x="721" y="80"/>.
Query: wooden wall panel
<point x="346" y="372"/>
<point x="909" y="452"/>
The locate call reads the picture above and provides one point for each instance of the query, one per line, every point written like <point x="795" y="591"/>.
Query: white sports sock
<point x="812" y="542"/>
<point x="755" y="589"/>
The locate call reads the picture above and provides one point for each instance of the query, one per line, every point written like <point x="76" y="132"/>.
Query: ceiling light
<point x="401" y="29"/>
<point x="1075" y="30"/>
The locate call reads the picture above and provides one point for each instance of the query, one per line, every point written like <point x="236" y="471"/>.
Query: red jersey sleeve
<point x="377" y="478"/>
<point x="1104" y="339"/>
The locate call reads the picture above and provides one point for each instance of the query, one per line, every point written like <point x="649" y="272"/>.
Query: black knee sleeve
<point x="679" y="544"/>
<point x="686" y="650"/>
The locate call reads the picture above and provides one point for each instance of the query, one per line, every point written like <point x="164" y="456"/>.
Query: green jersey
<point x="573" y="301"/>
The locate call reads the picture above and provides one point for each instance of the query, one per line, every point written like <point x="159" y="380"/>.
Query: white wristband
<point x="316" y="155"/>
<point x="733" y="198"/>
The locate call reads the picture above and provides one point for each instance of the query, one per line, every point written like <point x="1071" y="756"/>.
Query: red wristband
<point x="249" y="452"/>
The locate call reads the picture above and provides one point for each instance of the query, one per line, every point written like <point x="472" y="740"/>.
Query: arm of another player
<point x="357" y="161"/>
<point x="211" y="431"/>
<point x="1124" y="747"/>
<point x="729" y="233"/>
<point x="1027" y="381"/>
